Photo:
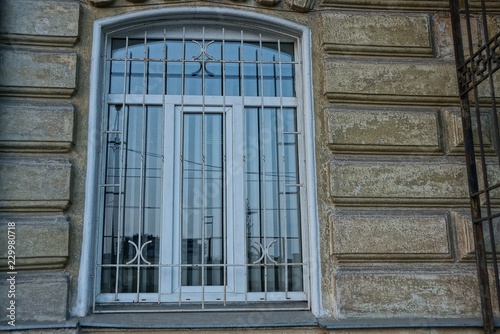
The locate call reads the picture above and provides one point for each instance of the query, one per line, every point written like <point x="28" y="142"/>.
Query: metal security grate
<point x="477" y="51"/>
<point x="201" y="173"/>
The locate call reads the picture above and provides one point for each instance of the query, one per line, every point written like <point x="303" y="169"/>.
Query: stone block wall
<point x="38" y="77"/>
<point x="397" y="208"/>
<point x="392" y="190"/>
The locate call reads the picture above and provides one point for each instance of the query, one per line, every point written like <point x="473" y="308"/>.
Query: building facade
<point x="269" y="166"/>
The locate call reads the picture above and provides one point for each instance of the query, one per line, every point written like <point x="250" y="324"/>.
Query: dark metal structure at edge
<point x="477" y="56"/>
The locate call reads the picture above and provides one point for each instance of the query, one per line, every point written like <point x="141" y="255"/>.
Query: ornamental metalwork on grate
<point x="475" y="26"/>
<point x="200" y="202"/>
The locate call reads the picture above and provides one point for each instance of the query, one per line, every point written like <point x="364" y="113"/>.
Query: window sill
<point x="199" y="320"/>
<point x="236" y="319"/>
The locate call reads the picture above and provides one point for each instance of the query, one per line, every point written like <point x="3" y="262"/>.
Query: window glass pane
<point x="117" y="66"/>
<point x="265" y="69"/>
<point x="194" y="231"/>
<point x="174" y="72"/>
<point x="202" y="198"/>
<point x="270" y="79"/>
<point x="251" y="71"/>
<point x="213" y="68"/>
<point x="155" y="72"/>
<point x="273" y="215"/>
<point x="152" y="184"/>
<point x="132" y="198"/>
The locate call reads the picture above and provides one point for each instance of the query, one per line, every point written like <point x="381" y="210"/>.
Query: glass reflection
<point x="202" y="198"/>
<point x="196" y="67"/>
<point x="133" y="172"/>
<point x="273" y="214"/>
<point x="132" y="198"/>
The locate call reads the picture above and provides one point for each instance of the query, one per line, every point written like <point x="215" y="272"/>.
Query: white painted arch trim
<point x="127" y="21"/>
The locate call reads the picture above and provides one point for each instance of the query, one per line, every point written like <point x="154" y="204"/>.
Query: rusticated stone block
<point x="45" y="22"/>
<point x="390" y="236"/>
<point x="407" y="83"/>
<point x="379" y="294"/>
<point x="412" y="182"/>
<point x="301" y="5"/>
<point x="34" y="184"/>
<point x="491" y="5"/>
<point x="42" y="127"/>
<point x="41" y="241"/>
<point x="383" y="131"/>
<point x="492" y="178"/>
<point x="443" y="36"/>
<point x="386" y="35"/>
<point x="454" y="136"/>
<point x="38" y="296"/>
<point x="465" y="235"/>
<point x="37" y="73"/>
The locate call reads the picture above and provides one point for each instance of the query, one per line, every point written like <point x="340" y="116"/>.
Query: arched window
<point x="202" y="194"/>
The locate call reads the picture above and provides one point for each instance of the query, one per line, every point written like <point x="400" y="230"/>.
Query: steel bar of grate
<point x="471" y="72"/>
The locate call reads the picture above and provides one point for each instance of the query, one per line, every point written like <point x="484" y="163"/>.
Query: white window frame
<point x="305" y="105"/>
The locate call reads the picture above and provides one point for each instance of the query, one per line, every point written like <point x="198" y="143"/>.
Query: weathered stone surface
<point x="443" y="37"/>
<point x="371" y="34"/>
<point x="412" y="182"/>
<point x="389" y="4"/>
<point x="71" y="330"/>
<point x="267" y="3"/>
<point x="40" y="22"/>
<point x="99" y="3"/>
<point x="402" y="326"/>
<point x="38" y="296"/>
<point x="383" y="131"/>
<point x="30" y="126"/>
<point x="492" y="178"/>
<point x="37" y="73"/>
<point x="41" y="241"/>
<point x="278" y="330"/>
<point x="448" y="293"/>
<point x="491" y="5"/>
<point x="465" y="235"/>
<point x="34" y="183"/>
<point x="408" y="83"/>
<point x="389" y="236"/>
<point x="336" y="325"/>
<point x="454" y="136"/>
<point x="301" y="5"/>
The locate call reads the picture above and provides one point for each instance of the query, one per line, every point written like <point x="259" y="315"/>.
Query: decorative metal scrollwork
<point x="265" y="252"/>
<point x="139" y="252"/>
<point x="202" y="57"/>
